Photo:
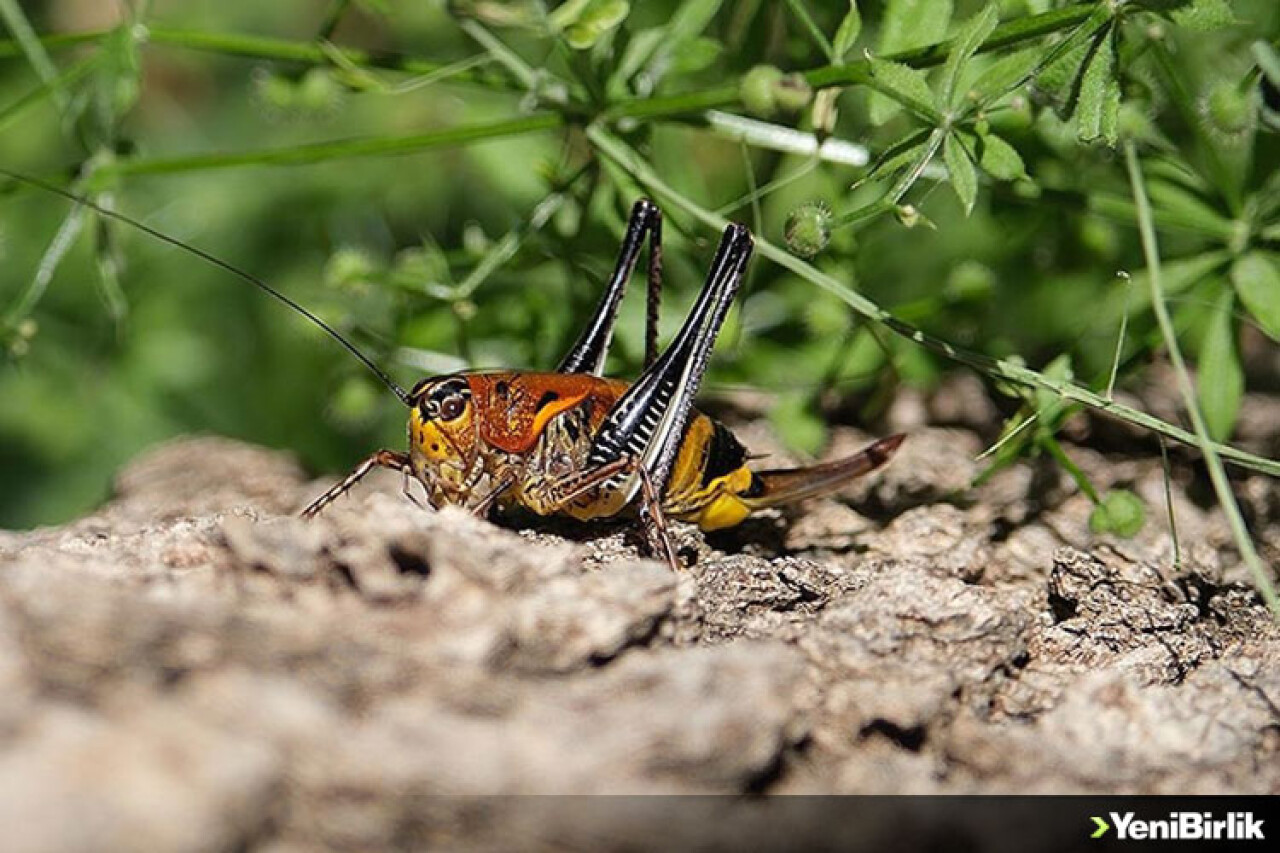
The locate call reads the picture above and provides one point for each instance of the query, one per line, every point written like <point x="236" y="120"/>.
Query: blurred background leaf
<point x="439" y="248"/>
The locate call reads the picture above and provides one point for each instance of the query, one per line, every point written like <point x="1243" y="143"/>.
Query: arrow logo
<point x="1103" y="826"/>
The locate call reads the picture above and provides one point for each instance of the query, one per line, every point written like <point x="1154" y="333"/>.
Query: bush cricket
<point x="572" y="442"/>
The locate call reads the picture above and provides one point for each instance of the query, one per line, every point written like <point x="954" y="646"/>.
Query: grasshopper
<point x="573" y="442"/>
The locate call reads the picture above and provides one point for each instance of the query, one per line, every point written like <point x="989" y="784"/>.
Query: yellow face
<point x="442" y="438"/>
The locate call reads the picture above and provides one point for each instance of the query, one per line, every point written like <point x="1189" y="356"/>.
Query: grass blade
<point x="1217" y="474"/>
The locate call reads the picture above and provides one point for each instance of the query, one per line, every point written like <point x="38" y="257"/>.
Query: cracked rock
<point x="193" y="668"/>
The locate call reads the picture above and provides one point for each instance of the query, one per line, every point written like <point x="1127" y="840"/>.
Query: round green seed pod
<point x="757" y="90"/>
<point x="1228" y="109"/>
<point x="808" y="229"/>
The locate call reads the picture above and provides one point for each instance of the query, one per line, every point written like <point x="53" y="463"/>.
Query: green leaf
<point x="963" y="46"/>
<point x="1049" y="406"/>
<point x="1268" y="60"/>
<point x="1098" y="110"/>
<point x="1175" y="203"/>
<point x="999" y="159"/>
<point x="908" y="24"/>
<point x="595" y="22"/>
<point x="1176" y="276"/>
<point x="999" y="77"/>
<point x="848" y="31"/>
<point x="963" y="177"/>
<point x="1059" y="77"/>
<point x="896" y="157"/>
<point x="913" y="23"/>
<point x="1257" y="281"/>
<point x="906" y="86"/>
<point x="695" y="55"/>
<point x="640" y="48"/>
<point x="1220" y="381"/>
<point x="686" y="24"/>
<point x="567" y="14"/>
<point x="1204" y="15"/>
<point x="692" y="18"/>
<point x="1121" y="512"/>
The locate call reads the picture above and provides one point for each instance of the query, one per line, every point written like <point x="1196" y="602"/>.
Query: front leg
<point x="381" y="459"/>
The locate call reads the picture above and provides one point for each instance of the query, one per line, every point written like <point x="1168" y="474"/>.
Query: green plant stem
<point x="332" y="18"/>
<point x="802" y="15"/>
<point x="1168" y="505"/>
<point x="1009" y="436"/>
<point x="503" y="55"/>
<point x="340" y="149"/>
<point x="681" y="104"/>
<point x="1051" y="444"/>
<point x="1124" y="328"/>
<point x="52" y="258"/>
<point x="627" y="160"/>
<point x="505" y="249"/>
<point x="859" y="72"/>
<point x="33" y="49"/>
<point x="10" y="48"/>
<point x="1217" y="474"/>
<point x="311" y="53"/>
<point x="68" y="77"/>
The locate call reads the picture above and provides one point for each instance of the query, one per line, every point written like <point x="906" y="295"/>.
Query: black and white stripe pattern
<point x="649" y="419"/>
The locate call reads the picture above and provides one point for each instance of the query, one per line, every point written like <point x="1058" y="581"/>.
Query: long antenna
<point x="220" y="264"/>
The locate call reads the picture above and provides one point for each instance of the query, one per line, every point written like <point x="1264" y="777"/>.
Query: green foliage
<point x="848" y="32"/>
<point x="1221" y="380"/>
<point x="1098" y="108"/>
<point x="964" y="179"/>
<point x="1121" y="512"/>
<point x="908" y="24"/>
<point x="585" y="22"/>
<point x="1257" y="281"/>
<point x="447" y="183"/>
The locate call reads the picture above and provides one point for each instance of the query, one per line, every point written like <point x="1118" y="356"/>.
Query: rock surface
<point x="191" y="668"/>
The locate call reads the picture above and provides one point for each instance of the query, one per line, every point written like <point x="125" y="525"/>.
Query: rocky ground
<point x="193" y="668"/>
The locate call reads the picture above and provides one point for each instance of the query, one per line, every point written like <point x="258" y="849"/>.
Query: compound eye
<point x="452" y="407"/>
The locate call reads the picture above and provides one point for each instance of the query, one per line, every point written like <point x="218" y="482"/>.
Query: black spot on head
<point x="435" y="448"/>
<point x="502" y="389"/>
